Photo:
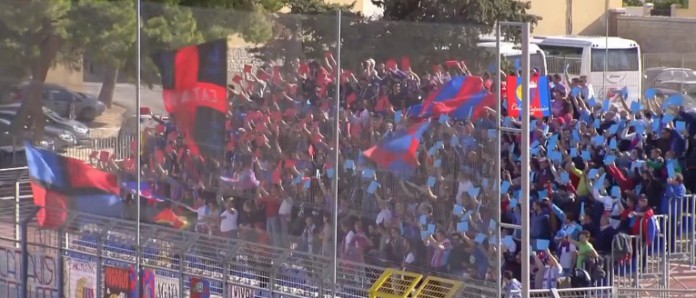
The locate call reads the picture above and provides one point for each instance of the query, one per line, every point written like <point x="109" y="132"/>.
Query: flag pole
<point x="138" y="145"/>
<point x="337" y="142"/>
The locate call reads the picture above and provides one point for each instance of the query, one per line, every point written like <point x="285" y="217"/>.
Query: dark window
<point x="558" y="57"/>
<point x="619" y="59"/>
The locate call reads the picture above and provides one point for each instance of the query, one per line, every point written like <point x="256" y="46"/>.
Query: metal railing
<point x="231" y="266"/>
<point x="103" y="149"/>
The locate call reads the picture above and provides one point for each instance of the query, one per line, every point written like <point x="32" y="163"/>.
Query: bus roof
<point x="585" y="41"/>
<point x="508" y="48"/>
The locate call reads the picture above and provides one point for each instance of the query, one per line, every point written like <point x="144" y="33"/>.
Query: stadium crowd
<point x="598" y="168"/>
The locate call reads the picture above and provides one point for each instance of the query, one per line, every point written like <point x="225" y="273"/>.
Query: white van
<point x="584" y="55"/>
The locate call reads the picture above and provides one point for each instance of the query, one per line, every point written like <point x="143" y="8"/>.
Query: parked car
<point x="669" y="78"/>
<point x="62" y="139"/>
<point x="11" y="143"/>
<point x="85" y="107"/>
<point x="78" y="129"/>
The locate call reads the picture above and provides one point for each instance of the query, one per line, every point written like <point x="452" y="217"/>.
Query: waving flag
<point x="168" y="217"/>
<point x="399" y="153"/>
<point x="539" y="92"/>
<point x="61" y="184"/>
<point x="463" y="95"/>
<point x="145" y="191"/>
<point x="650" y="227"/>
<point x="194" y="83"/>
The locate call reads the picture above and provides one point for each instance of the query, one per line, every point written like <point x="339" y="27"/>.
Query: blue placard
<point x="307" y="183"/>
<point x="542" y="244"/>
<point x="543" y="194"/>
<point x="586" y="156"/>
<point x="463" y="226"/>
<point x="573" y="152"/>
<point x="474" y="192"/>
<point x="431" y="181"/>
<point x="492" y="133"/>
<point x="598" y="140"/>
<point x="508" y="241"/>
<point x="650" y="93"/>
<point x="444" y="118"/>
<point x="330" y="172"/>
<point x="667" y="118"/>
<point x="671" y="171"/>
<point x="398" y="115"/>
<point x="492" y="224"/>
<point x="349" y="165"/>
<point x="592" y="173"/>
<point x="431" y="229"/>
<point x="423" y="220"/>
<point x="437" y="163"/>
<point x="609" y="159"/>
<point x="616" y="191"/>
<point x="373" y="187"/>
<point x="636" y="107"/>
<point x="504" y="186"/>
<point x="514" y="203"/>
<point x="613" y="128"/>
<point x="480" y="238"/>
<point x="613" y="144"/>
<point x="600" y="181"/>
<point x="565" y="177"/>
<point x="368" y="173"/>
<point x="680" y="126"/>
<point x="458" y="209"/>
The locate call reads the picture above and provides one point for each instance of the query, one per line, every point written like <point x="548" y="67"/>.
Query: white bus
<point x="583" y="55"/>
<point x="511" y="52"/>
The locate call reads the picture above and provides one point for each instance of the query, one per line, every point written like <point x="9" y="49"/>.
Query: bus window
<point x="619" y="60"/>
<point x="557" y="57"/>
<point x="536" y="60"/>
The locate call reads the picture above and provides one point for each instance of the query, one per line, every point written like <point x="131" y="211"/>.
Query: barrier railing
<point x="176" y="257"/>
<point x="103" y="149"/>
<point x="680" y="227"/>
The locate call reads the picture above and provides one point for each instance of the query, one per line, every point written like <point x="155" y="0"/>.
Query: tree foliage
<point x="426" y="31"/>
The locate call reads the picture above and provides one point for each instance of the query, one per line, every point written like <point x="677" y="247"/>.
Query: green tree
<point x="308" y="30"/>
<point x="36" y="36"/>
<point x="428" y="32"/>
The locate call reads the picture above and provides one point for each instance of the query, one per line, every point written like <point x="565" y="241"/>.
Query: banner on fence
<point x="235" y="291"/>
<point x="80" y="278"/>
<point x="148" y="283"/>
<point x="166" y="287"/>
<point x="200" y="288"/>
<point x="116" y="282"/>
<point x="42" y="273"/>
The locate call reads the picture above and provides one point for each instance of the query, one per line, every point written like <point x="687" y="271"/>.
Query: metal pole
<point x="138" y="146"/>
<point x="334" y="264"/>
<point x="499" y="178"/>
<point x="606" y="50"/>
<point x="526" y="278"/>
<point x="17" y="213"/>
<point x="24" y="273"/>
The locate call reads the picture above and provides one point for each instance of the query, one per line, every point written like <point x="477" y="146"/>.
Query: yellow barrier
<point x="433" y="287"/>
<point x="395" y="284"/>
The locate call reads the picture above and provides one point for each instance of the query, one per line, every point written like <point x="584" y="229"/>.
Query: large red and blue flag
<point x="61" y="184"/>
<point x="399" y="153"/>
<point x="461" y="97"/>
<point x="539" y="92"/>
<point x="194" y="83"/>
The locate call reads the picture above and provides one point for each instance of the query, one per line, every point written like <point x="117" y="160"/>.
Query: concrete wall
<point x="579" y="17"/>
<point x="659" y="34"/>
<point x="685" y="12"/>
<point x="72" y="79"/>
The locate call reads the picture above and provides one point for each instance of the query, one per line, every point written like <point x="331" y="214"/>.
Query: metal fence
<point x="103" y="149"/>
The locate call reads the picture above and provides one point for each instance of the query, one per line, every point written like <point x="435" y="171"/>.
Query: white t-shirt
<point x="384" y="216"/>
<point x="566" y="257"/>
<point x="285" y="207"/>
<point x="229" y="221"/>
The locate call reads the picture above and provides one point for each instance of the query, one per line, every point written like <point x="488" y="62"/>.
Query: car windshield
<point x="53" y="115"/>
